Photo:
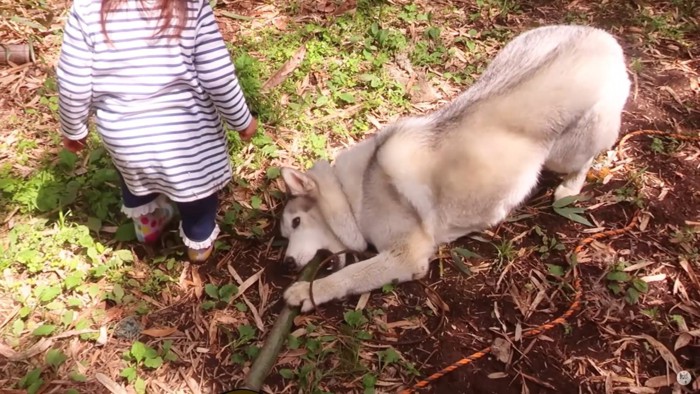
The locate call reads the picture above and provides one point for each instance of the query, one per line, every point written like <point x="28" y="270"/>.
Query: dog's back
<point x="467" y="165"/>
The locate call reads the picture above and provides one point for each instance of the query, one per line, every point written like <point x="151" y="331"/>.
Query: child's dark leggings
<point x="198" y="217"/>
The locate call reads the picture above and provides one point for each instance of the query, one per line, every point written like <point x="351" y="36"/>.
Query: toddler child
<point x="158" y="77"/>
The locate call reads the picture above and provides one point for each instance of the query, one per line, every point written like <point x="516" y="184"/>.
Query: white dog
<point x="552" y="98"/>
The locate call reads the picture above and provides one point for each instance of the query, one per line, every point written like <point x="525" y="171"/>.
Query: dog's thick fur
<point x="551" y="99"/>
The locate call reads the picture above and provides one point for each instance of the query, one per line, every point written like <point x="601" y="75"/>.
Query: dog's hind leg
<point x="574" y="151"/>
<point x="407" y="261"/>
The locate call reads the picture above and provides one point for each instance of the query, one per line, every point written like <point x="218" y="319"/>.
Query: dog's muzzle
<point x="290" y="264"/>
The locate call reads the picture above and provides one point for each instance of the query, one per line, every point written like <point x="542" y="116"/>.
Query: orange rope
<point x="578" y="289"/>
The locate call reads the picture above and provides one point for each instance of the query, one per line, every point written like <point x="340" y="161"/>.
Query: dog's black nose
<point x="289" y="263"/>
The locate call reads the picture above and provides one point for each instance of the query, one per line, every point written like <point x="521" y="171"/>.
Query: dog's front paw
<point x="298" y="294"/>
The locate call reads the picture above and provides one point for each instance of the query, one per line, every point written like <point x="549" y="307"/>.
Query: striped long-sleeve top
<point x="158" y="102"/>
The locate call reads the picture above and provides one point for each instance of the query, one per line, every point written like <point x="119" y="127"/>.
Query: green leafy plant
<point x="141" y="356"/>
<point x="218" y="295"/>
<point x="563" y="207"/>
<point x="32" y="381"/>
<point x="621" y="282"/>
<point x="549" y="244"/>
<point x="243" y="348"/>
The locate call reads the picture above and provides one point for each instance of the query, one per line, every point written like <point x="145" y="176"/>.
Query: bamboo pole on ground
<point x="267" y="357"/>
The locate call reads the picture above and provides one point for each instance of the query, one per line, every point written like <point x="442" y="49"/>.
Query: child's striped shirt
<point x="157" y="102"/>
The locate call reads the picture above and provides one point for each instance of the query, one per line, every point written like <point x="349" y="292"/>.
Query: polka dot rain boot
<point x="149" y="227"/>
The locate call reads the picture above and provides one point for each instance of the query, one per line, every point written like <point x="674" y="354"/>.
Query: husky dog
<point x="551" y="99"/>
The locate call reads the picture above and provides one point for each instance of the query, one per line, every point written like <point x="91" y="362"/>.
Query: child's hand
<point x="249" y="132"/>
<point x="74" y="146"/>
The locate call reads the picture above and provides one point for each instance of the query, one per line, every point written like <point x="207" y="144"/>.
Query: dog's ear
<point x="298" y="183"/>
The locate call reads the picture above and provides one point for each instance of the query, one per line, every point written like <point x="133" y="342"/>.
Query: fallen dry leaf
<point x="285" y="70"/>
<point x="159" y="332"/>
<point x="660" y="381"/>
<point x="683" y="340"/>
<point x="497" y="375"/>
<point x="110" y="384"/>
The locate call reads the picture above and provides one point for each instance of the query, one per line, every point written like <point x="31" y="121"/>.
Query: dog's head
<point x="303" y="223"/>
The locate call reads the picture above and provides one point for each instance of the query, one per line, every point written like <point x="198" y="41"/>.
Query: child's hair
<point x="168" y="9"/>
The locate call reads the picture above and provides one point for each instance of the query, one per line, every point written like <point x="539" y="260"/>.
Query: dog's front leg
<point x="405" y="262"/>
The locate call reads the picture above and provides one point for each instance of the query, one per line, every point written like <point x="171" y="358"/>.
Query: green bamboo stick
<point x="278" y="334"/>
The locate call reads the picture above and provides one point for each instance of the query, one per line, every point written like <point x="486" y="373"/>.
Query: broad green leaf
<point x="632" y="295"/>
<point x="640" y="285"/>
<point x="43" y="330"/>
<point x="618" y="276"/>
<point x="273" y="172"/>
<point x="30" y="378"/>
<point x="94" y="224"/>
<point x="364" y="335"/>
<point x="24" y="311"/>
<point x="347" y="97"/>
<point x="562" y="202"/>
<point x="354" y="318"/>
<point x="55" y="305"/>
<point x="138" y="350"/>
<point x="615" y="288"/>
<point x="49" y="293"/>
<point x="129" y="373"/>
<point x="368" y="381"/>
<point x="212" y="291"/>
<point x="140" y="386"/>
<point x="293" y="342"/>
<point x="286" y="373"/>
<point x="118" y="291"/>
<point x="252" y="351"/>
<point x="55" y="358"/>
<point x="77" y="377"/>
<point x="17" y="327"/>
<point x="389" y="356"/>
<point x="73" y="280"/>
<point x="246" y="332"/>
<point x="67" y="158"/>
<point x="227" y="291"/>
<point x="126" y="232"/>
<point x="207" y="305"/>
<point x="255" y="202"/>
<point x="154" y="362"/>
<point x="573" y="214"/>
<point x="237" y="358"/>
<point x="74" y="301"/>
<point x="93" y="255"/>
<point x="555" y="270"/>
<point x="124" y="255"/>
<point x="170" y="356"/>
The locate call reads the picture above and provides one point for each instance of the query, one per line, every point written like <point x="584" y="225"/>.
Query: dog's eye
<point x="296" y="221"/>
